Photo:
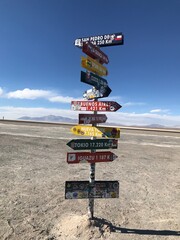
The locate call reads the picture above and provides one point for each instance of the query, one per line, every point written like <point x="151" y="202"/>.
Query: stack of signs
<point x="107" y="135"/>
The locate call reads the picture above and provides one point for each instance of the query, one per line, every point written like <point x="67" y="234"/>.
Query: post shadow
<point x="101" y="222"/>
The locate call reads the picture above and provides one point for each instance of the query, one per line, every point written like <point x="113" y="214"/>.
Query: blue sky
<point x="40" y="66"/>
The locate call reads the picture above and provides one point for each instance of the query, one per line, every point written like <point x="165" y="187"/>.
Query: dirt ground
<point x="33" y="171"/>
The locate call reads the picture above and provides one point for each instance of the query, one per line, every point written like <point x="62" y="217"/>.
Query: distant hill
<point x="50" y="118"/>
<point x="155" y="126"/>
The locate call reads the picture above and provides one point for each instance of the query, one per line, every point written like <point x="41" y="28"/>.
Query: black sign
<point x="102" y="40"/>
<point x="83" y="189"/>
<point x="100" y="84"/>
<point x="86" y="144"/>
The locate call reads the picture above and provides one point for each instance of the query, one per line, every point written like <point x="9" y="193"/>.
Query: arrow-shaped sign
<point x="90" y="157"/>
<point x="95" y="52"/>
<point x="92" y="118"/>
<point x="99" y="83"/>
<point x="93" y="66"/>
<point x="87" y="144"/>
<point x="108" y="132"/>
<point x="104" y="106"/>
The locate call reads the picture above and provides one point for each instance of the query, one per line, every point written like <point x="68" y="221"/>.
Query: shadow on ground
<point x="101" y="222"/>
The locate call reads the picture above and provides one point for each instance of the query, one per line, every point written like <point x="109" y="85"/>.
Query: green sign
<point x="86" y="144"/>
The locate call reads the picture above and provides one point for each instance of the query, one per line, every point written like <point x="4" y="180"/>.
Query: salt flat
<point x="33" y="171"/>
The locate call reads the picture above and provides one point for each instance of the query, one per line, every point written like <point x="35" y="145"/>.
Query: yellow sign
<point x="93" y="66"/>
<point x="108" y="132"/>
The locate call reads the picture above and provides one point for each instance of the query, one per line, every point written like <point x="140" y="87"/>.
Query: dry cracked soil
<point x="33" y="171"/>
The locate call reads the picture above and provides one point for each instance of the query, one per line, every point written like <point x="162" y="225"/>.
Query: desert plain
<point x="33" y="171"/>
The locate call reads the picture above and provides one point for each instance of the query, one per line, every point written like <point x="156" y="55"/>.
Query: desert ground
<point x="33" y="171"/>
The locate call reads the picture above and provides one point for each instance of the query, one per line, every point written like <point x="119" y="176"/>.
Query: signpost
<point x="102" y="40"/>
<point x="103" y="106"/>
<point x="92" y="118"/>
<point x="90" y="157"/>
<point x="107" y="132"/>
<point x="83" y="189"/>
<point x="88" y="144"/>
<point x="95" y="52"/>
<point x="99" y="83"/>
<point x="92" y="65"/>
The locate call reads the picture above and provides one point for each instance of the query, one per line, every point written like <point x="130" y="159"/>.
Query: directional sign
<point x="87" y="144"/>
<point x="99" y="83"/>
<point x="103" y="106"/>
<point x="102" y="40"/>
<point x="92" y="94"/>
<point x="90" y="157"/>
<point x="93" y="66"/>
<point x="95" y="52"/>
<point x="92" y="118"/>
<point x="108" y="132"/>
<point x="83" y="189"/>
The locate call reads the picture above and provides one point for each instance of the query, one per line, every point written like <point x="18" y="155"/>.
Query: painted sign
<point x="83" y="189"/>
<point x="93" y="66"/>
<point x="92" y="118"/>
<point x="87" y="144"/>
<point x="90" y="157"/>
<point x="103" y="106"/>
<point x="107" y="132"/>
<point x="102" y="40"/>
<point x="94" y="52"/>
<point x="99" y="83"/>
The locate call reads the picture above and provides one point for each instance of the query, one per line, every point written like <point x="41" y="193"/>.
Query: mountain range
<point x="49" y="118"/>
<point x="52" y="118"/>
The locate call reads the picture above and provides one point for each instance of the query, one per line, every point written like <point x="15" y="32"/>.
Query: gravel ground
<point x="33" y="171"/>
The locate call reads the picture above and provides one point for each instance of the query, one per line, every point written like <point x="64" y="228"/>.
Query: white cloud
<point x="1" y="91"/>
<point x="10" y="112"/>
<point x="29" y="94"/>
<point x="129" y="104"/>
<point x="158" y="110"/>
<point x="120" y="118"/>
<point x="62" y="99"/>
<point x="38" y="93"/>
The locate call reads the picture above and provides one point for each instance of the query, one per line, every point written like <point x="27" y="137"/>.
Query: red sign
<point x="92" y="118"/>
<point x="94" y="52"/>
<point x="88" y="157"/>
<point x="108" y="106"/>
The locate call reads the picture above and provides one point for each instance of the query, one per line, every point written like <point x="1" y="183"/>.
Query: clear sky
<point x="40" y="66"/>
